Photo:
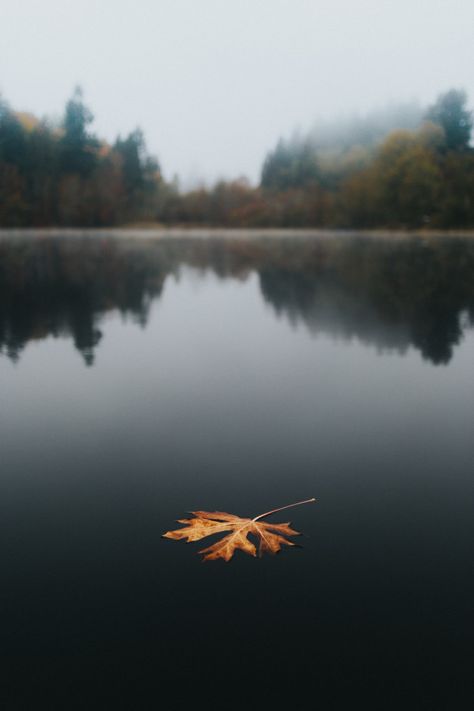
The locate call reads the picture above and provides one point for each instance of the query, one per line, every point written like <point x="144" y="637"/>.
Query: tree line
<point x="62" y="174"/>
<point x="403" y="168"/>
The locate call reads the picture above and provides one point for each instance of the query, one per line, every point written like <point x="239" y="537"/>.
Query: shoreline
<point x="223" y="232"/>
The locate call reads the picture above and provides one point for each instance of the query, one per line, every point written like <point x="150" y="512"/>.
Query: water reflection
<point x="64" y="287"/>
<point x="390" y="293"/>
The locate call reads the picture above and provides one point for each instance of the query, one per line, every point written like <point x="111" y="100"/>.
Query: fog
<point x="215" y="83"/>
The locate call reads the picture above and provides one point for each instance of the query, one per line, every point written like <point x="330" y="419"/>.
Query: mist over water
<point x="142" y="379"/>
<point x="236" y="273"/>
<point x="397" y="294"/>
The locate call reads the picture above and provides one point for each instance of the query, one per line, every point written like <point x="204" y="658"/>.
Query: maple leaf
<point x="270" y="536"/>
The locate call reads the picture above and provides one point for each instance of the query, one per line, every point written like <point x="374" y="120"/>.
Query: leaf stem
<point x="298" y="503"/>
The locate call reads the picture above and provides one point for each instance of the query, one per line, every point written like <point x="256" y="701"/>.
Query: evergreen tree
<point x="450" y="112"/>
<point x="78" y="145"/>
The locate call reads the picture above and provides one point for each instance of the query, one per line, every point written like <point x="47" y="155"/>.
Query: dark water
<point x="142" y="380"/>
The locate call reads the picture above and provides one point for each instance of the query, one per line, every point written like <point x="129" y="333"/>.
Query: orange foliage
<point x="271" y="537"/>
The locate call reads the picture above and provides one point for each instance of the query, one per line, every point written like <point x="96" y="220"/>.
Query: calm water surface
<point x="143" y="379"/>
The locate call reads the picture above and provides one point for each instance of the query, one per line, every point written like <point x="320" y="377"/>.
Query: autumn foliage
<point x="414" y="169"/>
<point x="62" y="174"/>
<point x="270" y="536"/>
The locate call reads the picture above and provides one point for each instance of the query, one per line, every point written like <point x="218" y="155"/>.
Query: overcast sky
<point x="214" y="83"/>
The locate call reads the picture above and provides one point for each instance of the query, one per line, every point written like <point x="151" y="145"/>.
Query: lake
<point x="141" y="379"/>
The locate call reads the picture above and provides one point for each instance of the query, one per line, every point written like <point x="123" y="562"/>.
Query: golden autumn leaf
<point x="270" y="536"/>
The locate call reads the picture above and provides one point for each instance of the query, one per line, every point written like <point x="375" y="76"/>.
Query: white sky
<point x="214" y="83"/>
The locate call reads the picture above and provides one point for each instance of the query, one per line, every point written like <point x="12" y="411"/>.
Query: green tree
<point x="79" y="147"/>
<point x="13" y="142"/>
<point x="140" y="174"/>
<point x="13" y="166"/>
<point x="290" y="165"/>
<point x="450" y="112"/>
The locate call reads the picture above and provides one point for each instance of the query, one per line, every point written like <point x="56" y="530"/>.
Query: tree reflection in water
<point x="390" y="293"/>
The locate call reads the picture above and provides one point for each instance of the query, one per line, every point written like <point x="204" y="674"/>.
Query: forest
<point x="404" y="169"/>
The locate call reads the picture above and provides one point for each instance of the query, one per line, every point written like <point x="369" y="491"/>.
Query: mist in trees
<point x="420" y="173"/>
<point x="63" y="174"/>
<point x="403" y="167"/>
<point x="451" y="114"/>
